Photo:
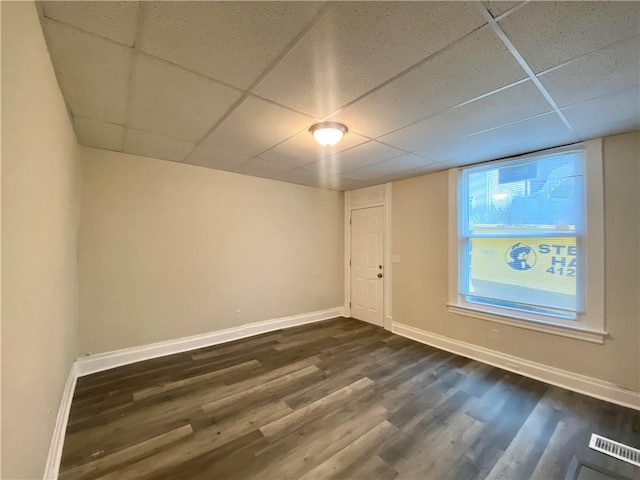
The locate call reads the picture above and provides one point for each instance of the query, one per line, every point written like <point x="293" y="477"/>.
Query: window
<point x="527" y="241"/>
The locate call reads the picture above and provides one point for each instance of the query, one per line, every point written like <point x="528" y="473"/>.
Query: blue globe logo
<point x="520" y="256"/>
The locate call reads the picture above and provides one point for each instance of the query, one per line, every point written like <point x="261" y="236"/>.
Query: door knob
<point x="379" y="275"/>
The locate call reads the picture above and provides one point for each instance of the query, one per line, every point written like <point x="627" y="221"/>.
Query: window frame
<point x="588" y="325"/>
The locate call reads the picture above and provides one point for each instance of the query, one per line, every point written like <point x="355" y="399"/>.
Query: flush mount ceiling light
<point x="328" y="133"/>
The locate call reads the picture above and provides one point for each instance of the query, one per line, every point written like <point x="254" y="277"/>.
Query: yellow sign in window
<point x="529" y="270"/>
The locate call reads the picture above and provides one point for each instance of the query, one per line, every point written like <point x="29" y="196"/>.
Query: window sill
<point x="593" y="336"/>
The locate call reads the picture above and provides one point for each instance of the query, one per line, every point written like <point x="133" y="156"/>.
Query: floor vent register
<point x="615" y="449"/>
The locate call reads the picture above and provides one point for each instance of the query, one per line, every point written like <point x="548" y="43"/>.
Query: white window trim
<point x="590" y="326"/>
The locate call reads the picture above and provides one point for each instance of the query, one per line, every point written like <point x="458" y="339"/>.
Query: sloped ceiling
<point x="422" y="86"/>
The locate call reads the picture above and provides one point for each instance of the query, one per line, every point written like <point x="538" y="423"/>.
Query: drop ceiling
<point x="422" y="86"/>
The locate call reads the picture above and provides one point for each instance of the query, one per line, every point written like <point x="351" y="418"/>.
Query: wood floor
<point x="335" y="399"/>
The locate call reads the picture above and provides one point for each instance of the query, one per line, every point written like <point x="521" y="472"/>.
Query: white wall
<point x="169" y="250"/>
<point x="40" y="211"/>
<point x="420" y="232"/>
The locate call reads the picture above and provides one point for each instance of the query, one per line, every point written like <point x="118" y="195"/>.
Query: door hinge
<point x="349" y="221"/>
<point x="349" y="304"/>
<point x="349" y="262"/>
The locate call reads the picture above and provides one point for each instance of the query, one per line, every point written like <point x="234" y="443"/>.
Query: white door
<point x="366" y="265"/>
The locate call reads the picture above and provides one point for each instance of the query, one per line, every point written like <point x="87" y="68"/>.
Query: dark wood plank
<point x="333" y="399"/>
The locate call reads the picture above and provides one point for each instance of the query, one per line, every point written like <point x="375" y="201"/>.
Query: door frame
<point x="376" y="196"/>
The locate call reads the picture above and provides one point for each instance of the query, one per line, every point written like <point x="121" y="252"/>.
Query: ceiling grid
<point x="496" y="28"/>
<point x="422" y="86"/>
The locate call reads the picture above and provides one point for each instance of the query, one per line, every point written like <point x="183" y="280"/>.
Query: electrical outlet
<point x="238" y="313"/>
<point x="494" y="334"/>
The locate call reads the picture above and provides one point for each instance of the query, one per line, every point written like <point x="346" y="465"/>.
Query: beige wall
<point x="169" y="250"/>
<point x="40" y="210"/>
<point x="420" y="237"/>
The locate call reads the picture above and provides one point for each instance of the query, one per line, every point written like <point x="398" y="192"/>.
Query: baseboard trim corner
<point x="52" y="467"/>
<point x="105" y="361"/>
<point x="590" y="386"/>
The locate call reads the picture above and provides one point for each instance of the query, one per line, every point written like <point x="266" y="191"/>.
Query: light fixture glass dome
<point x="328" y="133"/>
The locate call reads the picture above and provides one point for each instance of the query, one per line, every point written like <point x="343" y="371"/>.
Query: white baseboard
<point x="104" y="361"/>
<point x="96" y="363"/>
<point x="571" y="381"/>
<point x="57" y="440"/>
<point x="117" y="358"/>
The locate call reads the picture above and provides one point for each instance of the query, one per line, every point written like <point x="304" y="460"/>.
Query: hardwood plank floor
<point x="334" y="399"/>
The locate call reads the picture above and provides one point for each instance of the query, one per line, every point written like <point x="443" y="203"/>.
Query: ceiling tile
<point x="498" y="141"/>
<point x="550" y="33"/>
<point x="357" y="45"/>
<point x="623" y="126"/>
<point x="391" y="167"/>
<point x="94" y="133"/>
<point x="368" y="183"/>
<point x="302" y="177"/>
<point x="263" y="168"/>
<point x="230" y="41"/>
<point x="611" y="108"/>
<point x="155" y="146"/>
<point x="469" y="102"/>
<point x="531" y="145"/>
<point x="255" y="126"/>
<point x="607" y="70"/>
<point x="512" y="104"/>
<point x="171" y="101"/>
<point x="115" y="20"/>
<point x="356" y="157"/>
<point x="393" y="177"/>
<point x="302" y="149"/>
<point x="214" y="158"/>
<point x="475" y="66"/>
<point x="497" y="8"/>
<point x="93" y="73"/>
<point x="339" y="183"/>
<point x="315" y="179"/>
<point x="416" y="172"/>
